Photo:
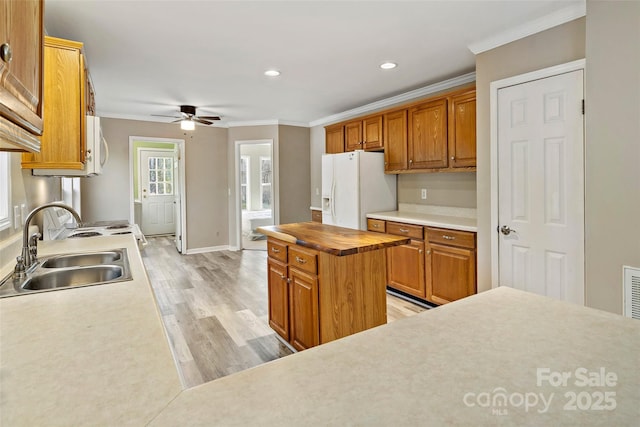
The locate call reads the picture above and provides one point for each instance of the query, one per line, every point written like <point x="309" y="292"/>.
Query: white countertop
<point x="428" y="219"/>
<point x="93" y="355"/>
<point x="98" y="355"/>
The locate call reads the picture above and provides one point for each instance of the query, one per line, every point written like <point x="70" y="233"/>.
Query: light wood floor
<point x="214" y="307"/>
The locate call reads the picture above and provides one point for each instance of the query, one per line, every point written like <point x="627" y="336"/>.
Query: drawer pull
<point x="444" y="236"/>
<point x="403" y="230"/>
<point x="376" y="226"/>
<point x="275" y="251"/>
<point x="428" y="251"/>
<point x="301" y="260"/>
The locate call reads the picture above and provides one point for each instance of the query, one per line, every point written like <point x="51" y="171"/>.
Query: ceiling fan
<point x="188" y="118"/>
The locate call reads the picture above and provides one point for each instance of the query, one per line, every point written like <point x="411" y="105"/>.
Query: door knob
<point x="506" y="230"/>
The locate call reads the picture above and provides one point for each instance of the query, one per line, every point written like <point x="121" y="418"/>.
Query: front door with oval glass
<point x="157" y="188"/>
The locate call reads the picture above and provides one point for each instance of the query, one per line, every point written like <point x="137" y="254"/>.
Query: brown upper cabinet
<point x="437" y="134"/>
<point x="395" y="138"/>
<point x="21" y="53"/>
<point x="65" y="89"/>
<point x="364" y="134"/>
<point x="334" y="139"/>
<point x="428" y="135"/>
<point x="462" y="130"/>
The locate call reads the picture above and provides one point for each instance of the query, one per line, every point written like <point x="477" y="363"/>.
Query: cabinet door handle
<point x="453" y="158"/>
<point x="301" y="260"/>
<point x="410" y="161"/>
<point x="5" y="52"/>
<point x="419" y="251"/>
<point x="275" y="251"/>
<point x="428" y="251"/>
<point x="283" y="277"/>
<point x="444" y="236"/>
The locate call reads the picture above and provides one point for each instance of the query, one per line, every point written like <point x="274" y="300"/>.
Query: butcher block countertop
<point x="338" y="241"/>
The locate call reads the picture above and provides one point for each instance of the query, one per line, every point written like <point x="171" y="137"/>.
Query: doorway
<point x="255" y="190"/>
<point x="157" y="187"/>
<point x="537" y="147"/>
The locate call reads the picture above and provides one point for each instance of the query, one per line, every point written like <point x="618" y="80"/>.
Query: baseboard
<point x="205" y="250"/>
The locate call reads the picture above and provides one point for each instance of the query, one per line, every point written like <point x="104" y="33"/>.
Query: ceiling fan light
<point x="187" y="125"/>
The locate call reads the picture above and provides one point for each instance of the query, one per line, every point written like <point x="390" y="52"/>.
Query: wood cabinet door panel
<point x="278" y="298"/>
<point x="64" y="136"/>
<point x="303" y="299"/>
<point x="428" y="135"/>
<point x="372" y="130"/>
<point x="334" y="139"/>
<point x="395" y="141"/>
<point x="453" y="274"/>
<point x="353" y="136"/>
<point x="405" y="268"/>
<point x="462" y="130"/>
<point x="21" y="82"/>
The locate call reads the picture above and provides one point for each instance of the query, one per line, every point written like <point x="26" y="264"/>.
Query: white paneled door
<point x="541" y="186"/>
<point x="157" y="191"/>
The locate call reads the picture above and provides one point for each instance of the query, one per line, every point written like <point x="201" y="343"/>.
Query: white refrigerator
<point x="354" y="184"/>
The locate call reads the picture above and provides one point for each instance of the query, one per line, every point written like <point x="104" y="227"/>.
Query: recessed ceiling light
<point x="272" y="73"/>
<point x="388" y="65"/>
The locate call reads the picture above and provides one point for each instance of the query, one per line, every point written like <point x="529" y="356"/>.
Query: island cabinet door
<point x="405" y="268"/>
<point x="303" y="297"/>
<point x="278" y="298"/>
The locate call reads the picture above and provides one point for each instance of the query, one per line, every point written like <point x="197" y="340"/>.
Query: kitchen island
<point x="325" y="282"/>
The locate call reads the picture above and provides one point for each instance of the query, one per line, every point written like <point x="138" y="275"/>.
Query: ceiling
<point x="150" y="56"/>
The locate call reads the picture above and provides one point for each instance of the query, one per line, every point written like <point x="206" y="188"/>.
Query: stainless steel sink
<point x="80" y="276"/>
<point x="70" y="271"/>
<point x="80" y="260"/>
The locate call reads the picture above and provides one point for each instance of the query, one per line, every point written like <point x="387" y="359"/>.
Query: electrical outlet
<point x="317" y="191"/>
<point x="23" y="211"/>
<point x="423" y="194"/>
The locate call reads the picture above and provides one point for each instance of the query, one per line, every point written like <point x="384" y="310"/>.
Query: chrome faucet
<point x="30" y="245"/>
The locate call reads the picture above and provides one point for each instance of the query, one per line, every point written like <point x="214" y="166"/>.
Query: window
<point x="5" y="199"/>
<point x="160" y="176"/>
<point x="265" y="182"/>
<point x="244" y="183"/>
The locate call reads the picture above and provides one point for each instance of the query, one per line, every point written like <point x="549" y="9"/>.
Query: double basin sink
<point x="69" y="271"/>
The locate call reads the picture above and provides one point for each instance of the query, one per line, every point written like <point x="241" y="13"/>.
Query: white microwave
<point x="96" y="156"/>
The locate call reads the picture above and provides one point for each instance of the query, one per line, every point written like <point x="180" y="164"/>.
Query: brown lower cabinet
<point x="438" y="265"/>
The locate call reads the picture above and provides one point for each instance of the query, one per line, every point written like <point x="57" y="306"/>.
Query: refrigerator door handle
<point x="333" y="199"/>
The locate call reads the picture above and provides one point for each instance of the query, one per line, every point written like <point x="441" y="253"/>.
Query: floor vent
<point x="631" y="292"/>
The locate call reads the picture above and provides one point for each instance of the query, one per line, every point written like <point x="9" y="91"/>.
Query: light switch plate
<point x="423" y="194"/>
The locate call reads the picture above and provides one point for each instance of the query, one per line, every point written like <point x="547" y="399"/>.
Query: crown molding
<point x="398" y="99"/>
<point x="274" y="122"/>
<point x="551" y="20"/>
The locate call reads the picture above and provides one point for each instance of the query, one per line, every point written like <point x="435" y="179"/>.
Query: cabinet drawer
<point x="407" y="230"/>
<point x="444" y="236"/>
<point x="277" y="250"/>
<point x="303" y="259"/>
<point x="316" y="215"/>
<point x="378" y="225"/>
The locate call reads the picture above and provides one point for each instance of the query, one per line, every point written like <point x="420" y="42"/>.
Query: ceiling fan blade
<point x="199" y="120"/>
<point x="177" y="121"/>
<point x="162" y="115"/>
<point x="209" y="117"/>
